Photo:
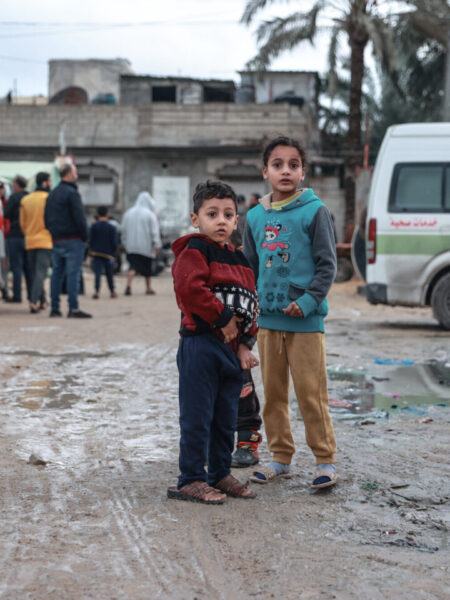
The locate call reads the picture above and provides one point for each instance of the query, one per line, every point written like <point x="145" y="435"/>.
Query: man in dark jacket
<point x="15" y="240"/>
<point x="66" y="221"/>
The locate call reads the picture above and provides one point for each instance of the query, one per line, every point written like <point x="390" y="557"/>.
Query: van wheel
<point x="440" y="301"/>
<point x="344" y="270"/>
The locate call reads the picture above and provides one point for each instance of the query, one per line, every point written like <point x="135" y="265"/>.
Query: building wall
<point x="172" y="140"/>
<point x="95" y="76"/>
<point x="165" y="125"/>
<point x="271" y="84"/>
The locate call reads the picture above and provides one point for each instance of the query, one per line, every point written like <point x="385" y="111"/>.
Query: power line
<point x="18" y="59"/>
<point x="95" y="27"/>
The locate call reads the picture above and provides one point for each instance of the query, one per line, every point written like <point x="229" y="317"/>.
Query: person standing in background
<point x="102" y="247"/>
<point x="3" y="270"/>
<point x="38" y="241"/>
<point x="16" y="244"/>
<point x="65" y="219"/>
<point x="142" y="240"/>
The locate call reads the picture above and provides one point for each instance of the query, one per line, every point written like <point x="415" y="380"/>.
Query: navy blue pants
<point x="101" y="264"/>
<point x="209" y="390"/>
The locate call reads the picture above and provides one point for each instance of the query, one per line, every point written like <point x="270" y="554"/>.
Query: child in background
<point x="289" y="242"/>
<point x="249" y="417"/>
<point x="102" y="247"/>
<point x="215" y="290"/>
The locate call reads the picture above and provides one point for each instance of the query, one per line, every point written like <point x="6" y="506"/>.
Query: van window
<point x="419" y="188"/>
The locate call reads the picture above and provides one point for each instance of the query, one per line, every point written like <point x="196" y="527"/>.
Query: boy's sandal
<point x="323" y="479"/>
<point x="233" y="487"/>
<point x="197" y="491"/>
<point x="267" y="474"/>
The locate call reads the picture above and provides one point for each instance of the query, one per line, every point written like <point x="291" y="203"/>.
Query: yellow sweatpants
<point x="303" y="354"/>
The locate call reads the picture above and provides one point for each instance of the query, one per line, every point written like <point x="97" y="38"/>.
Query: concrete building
<point x="164" y="136"/>
<point x="146" y="89"/>
<point x="94" y="76"/>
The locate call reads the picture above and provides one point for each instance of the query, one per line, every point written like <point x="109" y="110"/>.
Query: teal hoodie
<point x="293" y="254"/>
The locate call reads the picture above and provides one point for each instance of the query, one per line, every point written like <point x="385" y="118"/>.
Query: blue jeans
<point x="209" y="390"/>
<point x="19" y="266"/>
<point x="67" y="259"/>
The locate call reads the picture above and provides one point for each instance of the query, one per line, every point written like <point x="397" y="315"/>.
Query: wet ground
<point x="89" y="436"/>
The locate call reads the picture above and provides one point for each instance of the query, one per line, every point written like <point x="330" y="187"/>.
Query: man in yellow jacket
<point x="38" y="241"/>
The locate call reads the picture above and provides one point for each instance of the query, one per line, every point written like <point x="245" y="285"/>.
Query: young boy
<point x="215" y="290"/>
<point x="249" y="411"/>
<point x="103" y="246"/>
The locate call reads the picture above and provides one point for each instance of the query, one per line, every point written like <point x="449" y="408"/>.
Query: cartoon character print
<point x="276" y="237"/>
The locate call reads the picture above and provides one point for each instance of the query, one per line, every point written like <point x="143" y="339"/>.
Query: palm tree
<point x="361" y="22"/>
<point x="431" y="21"/>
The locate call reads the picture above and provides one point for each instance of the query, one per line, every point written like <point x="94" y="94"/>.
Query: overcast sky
<point x="197" y="38"/>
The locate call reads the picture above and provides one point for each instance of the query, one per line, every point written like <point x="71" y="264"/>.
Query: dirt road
<point x="97" y="401"/>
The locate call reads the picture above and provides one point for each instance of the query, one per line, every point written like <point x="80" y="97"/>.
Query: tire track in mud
<point x="131" y="532"/>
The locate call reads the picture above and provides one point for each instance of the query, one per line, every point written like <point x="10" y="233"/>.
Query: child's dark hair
<point x="236" y="238"/>
<point x="212" y="189"/>
<point x="283" y="140"/>
<point x="102" y="211"/>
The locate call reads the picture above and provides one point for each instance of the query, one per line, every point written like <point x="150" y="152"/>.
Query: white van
<point x="408" y="220"/>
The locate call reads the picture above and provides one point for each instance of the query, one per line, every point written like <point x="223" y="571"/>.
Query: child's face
<point x="216" y="218"/>
<point x="284" y="171"/>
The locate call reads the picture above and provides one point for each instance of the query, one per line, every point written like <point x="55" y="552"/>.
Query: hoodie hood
<point x="302" y="197"/>
<point x="144" y="200"/>
<point x="181" y="243"/>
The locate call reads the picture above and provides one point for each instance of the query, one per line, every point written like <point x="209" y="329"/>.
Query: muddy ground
<point x="97" y="401"/>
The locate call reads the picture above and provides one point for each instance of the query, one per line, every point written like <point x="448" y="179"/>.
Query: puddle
<point x="388" y="388"/>
<point x="63" y="392"/>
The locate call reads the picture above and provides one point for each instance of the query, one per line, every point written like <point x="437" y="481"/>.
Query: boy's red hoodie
<point x="212" y="283"/>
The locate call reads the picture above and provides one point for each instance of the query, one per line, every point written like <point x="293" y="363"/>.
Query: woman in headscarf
<point x="142" y="239"/>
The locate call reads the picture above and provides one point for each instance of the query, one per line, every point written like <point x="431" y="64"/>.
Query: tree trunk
<point x="358" y="41"/>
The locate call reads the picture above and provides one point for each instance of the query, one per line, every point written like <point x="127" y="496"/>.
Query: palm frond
<point x="284" y="33"/>
<point x="381" y="35"/>
<point x="251" y="8"/>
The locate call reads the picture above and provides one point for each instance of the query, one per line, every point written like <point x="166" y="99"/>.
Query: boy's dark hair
<point x="102" y="211"/>
<point x="236" y="238"/>
<point x="42" y="177"/>
<point x="283" y="140"/>
<point x="212" y="189"/>
<point x="20" y="181"/>
<point x="65" y="170"/>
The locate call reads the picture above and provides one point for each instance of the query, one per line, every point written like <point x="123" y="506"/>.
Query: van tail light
<point x="372" y="242"/>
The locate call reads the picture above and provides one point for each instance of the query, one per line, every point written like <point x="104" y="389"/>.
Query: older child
<point x="215" y="290"/>
<point x="249" y="412"/>
<point x="289" y="242"/>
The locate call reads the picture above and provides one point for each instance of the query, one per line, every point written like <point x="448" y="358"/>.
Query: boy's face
<point x="216" y="218"/>
<point x="284" y="171"/>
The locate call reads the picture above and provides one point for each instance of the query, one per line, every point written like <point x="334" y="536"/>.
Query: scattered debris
<point x="366" y="422"/>
<point x="369" y="485"/>
<point x="425" y="420"/>
<point x="36" y="460"/>
<point x="387" y="361"/>
<point x="336" y="402"/>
